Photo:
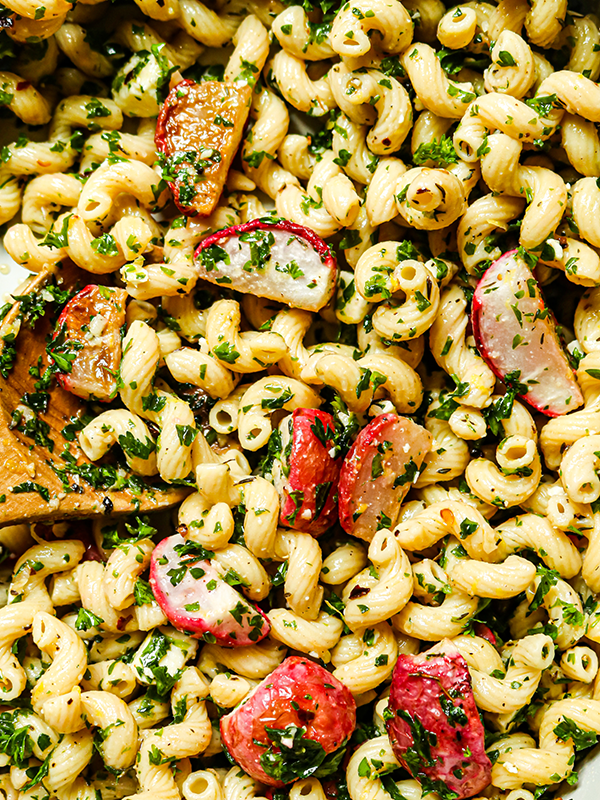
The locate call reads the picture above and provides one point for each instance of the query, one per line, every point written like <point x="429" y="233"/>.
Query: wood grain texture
<point x="22" y="462"/>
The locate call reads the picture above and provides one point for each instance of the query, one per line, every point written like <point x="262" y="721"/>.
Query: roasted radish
<point x="86" y="345"/>
<point x="516" y="335"/>
<point x="295" y="724"/>
<point x="304" y="471"/>
<point x="377" y="473"/>
<point x="278" y="260"/>
<point x="197" y="599"/>
<point x="433" y="723"/>
<point x="198" y="132"/>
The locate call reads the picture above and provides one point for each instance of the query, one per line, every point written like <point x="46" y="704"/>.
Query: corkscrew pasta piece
<point x="546" y="192"/>
<point x="365" y="658"/>
<point x="448" y="342"/>
<point x="388" y="17"/>
<point x="526" y="661"/>
<point x="436" y="92"/>
<point x="382" y="272"/>
<point x="385" y="595"/>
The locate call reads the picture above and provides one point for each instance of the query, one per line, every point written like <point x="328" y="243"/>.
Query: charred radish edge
<point x="62" y="328"/>
<point x="308" y="467"/>
<point x="296" y="723"/>
<point x="161" y="141"/>
<point x="188" y="602"/>
<point x="479" y="302"/>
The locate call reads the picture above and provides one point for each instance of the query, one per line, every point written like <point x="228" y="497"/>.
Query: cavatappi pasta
<point x="441" y="137"/>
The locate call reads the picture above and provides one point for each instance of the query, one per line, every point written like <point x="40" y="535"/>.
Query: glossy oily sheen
<point x="196" y="599"/>
<point x="90" y="327"/>
<point x="278" y="260"/>
<point x="298" y="693"/>
<point x="433" y="722"/>
<point x="305" y="474"/>
<point x="378" y="472"/>
<point x="197" y="118"/>
<point x="516" y="335"/>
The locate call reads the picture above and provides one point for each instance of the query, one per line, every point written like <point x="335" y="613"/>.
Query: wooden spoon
<point x="36" y="482"/>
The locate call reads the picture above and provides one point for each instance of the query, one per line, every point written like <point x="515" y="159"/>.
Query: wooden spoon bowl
<point x="47" y="476"/>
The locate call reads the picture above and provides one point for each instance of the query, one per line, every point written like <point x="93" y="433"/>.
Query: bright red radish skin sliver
<point x="516" y="335"/>
<point x="378" y="472"/>
<point x="305" y="474"/>
<point x="279" y="260"/>
<point x="196" y="599"/>
<point x="431" y="700"/>
<point x="90" y="327"/>
<point x="298" y="693"/>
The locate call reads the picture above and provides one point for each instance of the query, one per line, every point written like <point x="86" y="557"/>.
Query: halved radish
<point x="516" y="335"/>
<point x="378" y="472"/>
<point x="433" y="723"/>
<point x="198" y="132"/>
<point x="86" y="344"/>
<point x="293" y="725"/>
<point x="275" y="259"/>
<point x="304" y="472"/>
<point x="191" y="591"/>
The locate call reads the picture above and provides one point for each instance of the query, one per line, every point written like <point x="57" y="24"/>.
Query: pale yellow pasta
<point x="109" y="428"/>
<point x="314" y="637"/>
<point x="56" y="696"/>
<point x="449" y="453"/>
<point x="457" y="27"/>
<point x="514" y="479"/>
<point x="255" y="661"/>
<point x="311" y="96"/>
<point x="580" y="663"/>
<point x="545" y="191"/>
<point x="436" y="92"/>
<point x="481" y="579"/>
<point x="527" y="659"/>
<point x="515" y="78"/>
<point x="369" y="659"/>
<point x="385" y="594"/>
<point x="251" y="42"/>
<point x="108" y="712"/>
<point x="110" y="676"/>
<point x="254" y="424"/>
<point x="450" y="349"/>
<point x="389" y="18"/>
<point x="482" y="218"/>
<point x="193" y="366"/>
<point x="379" y="757"/>
<point x="291" y="27"/>
<point x="434" y="623"/>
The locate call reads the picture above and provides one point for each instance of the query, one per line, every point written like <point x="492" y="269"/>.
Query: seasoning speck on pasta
<point x="324" y="279"/>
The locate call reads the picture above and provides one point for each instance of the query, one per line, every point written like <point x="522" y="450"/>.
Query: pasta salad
<point x="323" y="278"/>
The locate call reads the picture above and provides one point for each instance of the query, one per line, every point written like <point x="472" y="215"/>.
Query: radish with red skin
<point x="89" y="328"/>
<point x="198" y="131"/>
<point x="279" y="260"/>
<point x="305" y="473"/>
<point x="432" y="706"/>
<point x="485" y="632"/>
<point x="311" y="712"/>
<point x="195" y="597"/>
<point x="516" y="335"/>
<point x="378" y="472"/>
